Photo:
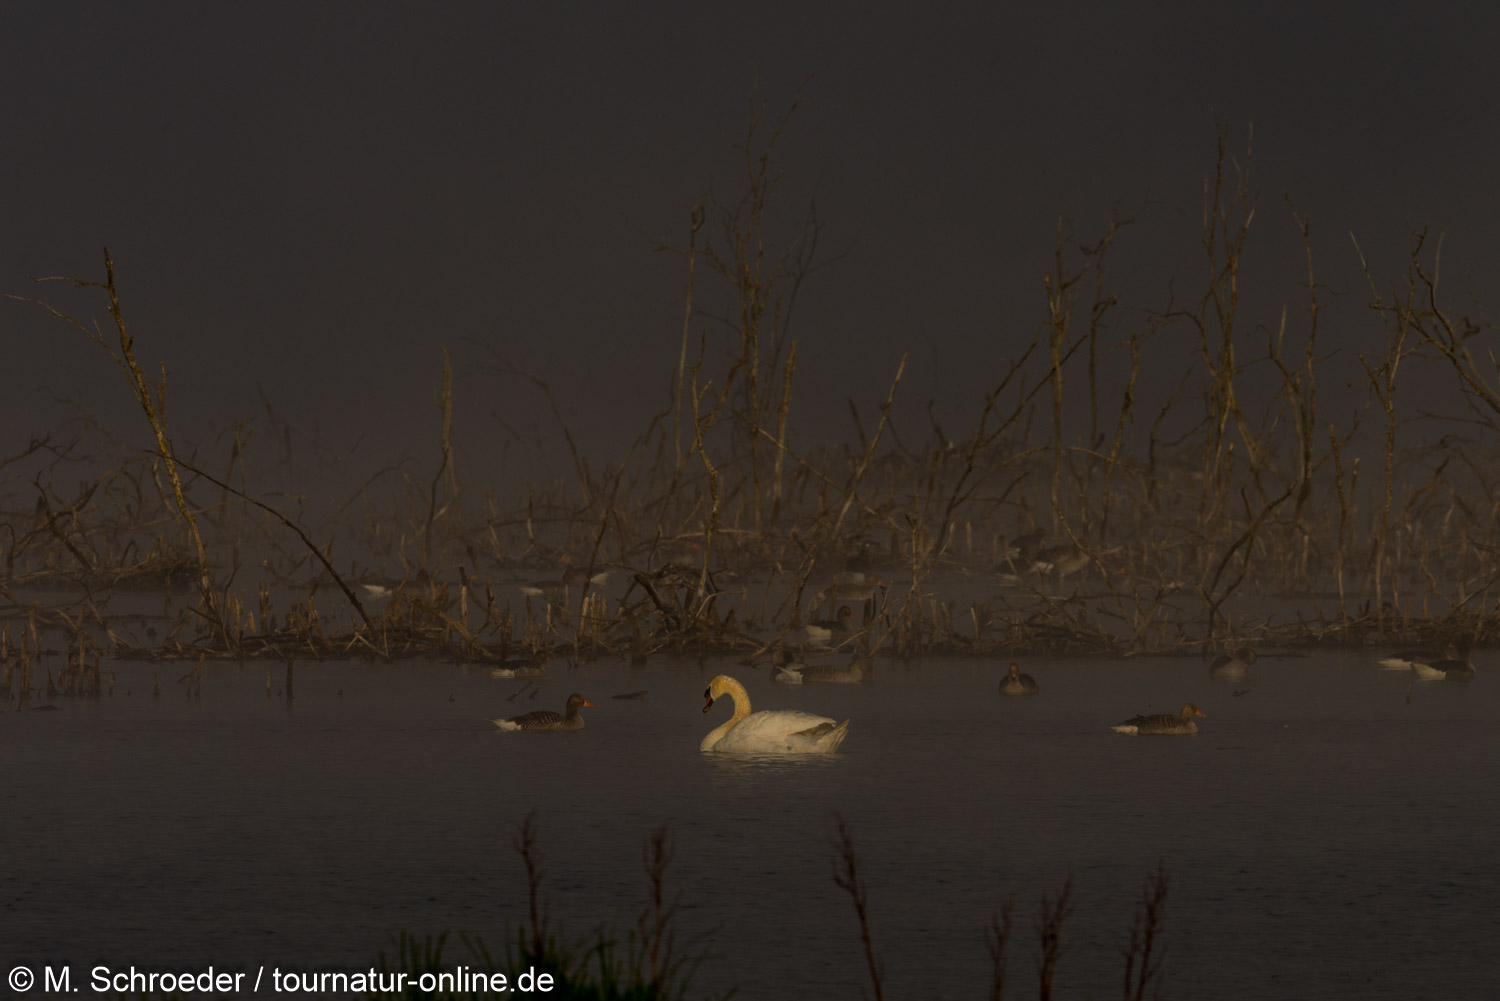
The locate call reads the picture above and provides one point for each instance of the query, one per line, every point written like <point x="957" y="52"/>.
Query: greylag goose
<point x="825" y="631"/>
<point x="778" y="731"/>
<point x="572" y="576"/>
<point x="1454" y="666"/>
<point x="520" y="667"/>
<point x="546" y="719"/>
<point x="1404" y="660"/>
<point x="1064" y="560"/>
<point x="858" y="563"/>
<point x="853" y="587"/>
<point x="1162" y="722"/>
<point x="1232" y="667"/>
<point x="858" y="671"/>
<point x="786" y="669"/>
<point x="1016" y="683"/>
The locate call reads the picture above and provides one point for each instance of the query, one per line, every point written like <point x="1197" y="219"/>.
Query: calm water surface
<point x="1324" y="836"/>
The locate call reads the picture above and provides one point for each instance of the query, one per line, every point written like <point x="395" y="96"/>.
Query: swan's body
<point x="1016" y="683"/>
<point x="1162" y="722"/>
<point x="545" y="719"/>
<point x="1232" y="667"/>
<point x="779" y="731"/>
<point x="1453" y="667"/>
<point x="825" y="631"/>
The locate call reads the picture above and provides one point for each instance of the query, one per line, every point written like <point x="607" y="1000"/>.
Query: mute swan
<point x="1162" y="722"/>
<point x="1016" y="683"/>
<point x="780" y="731"/>
<point x="824" y="631"/>
<point x="1232" y="667"/>
<point x="546" y="719"/>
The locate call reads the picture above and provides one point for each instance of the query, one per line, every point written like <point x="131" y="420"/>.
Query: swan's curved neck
<point x="736" y="692"/>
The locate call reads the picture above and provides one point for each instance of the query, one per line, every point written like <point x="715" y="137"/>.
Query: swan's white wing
<point x="783" y="731"/>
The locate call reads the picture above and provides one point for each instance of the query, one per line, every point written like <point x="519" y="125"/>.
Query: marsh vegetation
<point x="1141" y="478"/>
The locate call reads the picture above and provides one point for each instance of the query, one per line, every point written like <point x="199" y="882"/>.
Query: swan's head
<point x="1191" y="710"/>
<point x="1015" y="669"/>
<point x="713" y="691"/>
<point x="723" y="685"/>
<point x="1245" y="654"/>
<point x="577" y="702"/>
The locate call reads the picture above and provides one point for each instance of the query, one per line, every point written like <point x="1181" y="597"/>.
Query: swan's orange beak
<point x="1200" y="712"/>
<point x="710" y="703"/>
<point x="587" y="704"/>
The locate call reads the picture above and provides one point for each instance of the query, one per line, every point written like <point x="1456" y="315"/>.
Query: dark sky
<point x="315" y="197"/>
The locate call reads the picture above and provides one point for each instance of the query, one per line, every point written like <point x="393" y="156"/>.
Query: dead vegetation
<point x="1067" y="520"/>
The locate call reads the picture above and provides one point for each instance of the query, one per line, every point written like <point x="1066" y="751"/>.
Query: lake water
<point x="1325" y="835"/>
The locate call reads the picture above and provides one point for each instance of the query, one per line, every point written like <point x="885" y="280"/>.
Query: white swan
<point x="780" y="731"/>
